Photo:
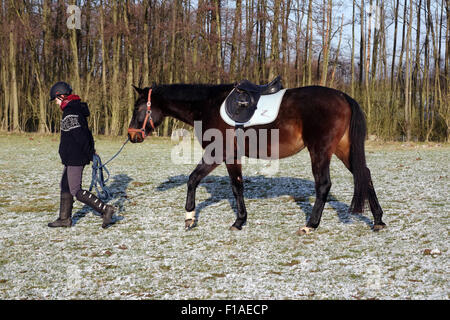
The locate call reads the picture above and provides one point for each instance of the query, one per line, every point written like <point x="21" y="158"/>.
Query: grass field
<point x="147" y="254"/>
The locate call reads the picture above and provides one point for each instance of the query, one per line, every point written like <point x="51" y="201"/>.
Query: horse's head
<point x="146" y="116"/>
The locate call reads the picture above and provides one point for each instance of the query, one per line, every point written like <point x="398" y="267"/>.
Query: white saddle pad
<point x="266" y="110"/>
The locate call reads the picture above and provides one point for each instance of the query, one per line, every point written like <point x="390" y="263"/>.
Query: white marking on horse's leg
<point x="304" y="230"/>
<point x="190" y="222"/>
<point x="190" y="215"/>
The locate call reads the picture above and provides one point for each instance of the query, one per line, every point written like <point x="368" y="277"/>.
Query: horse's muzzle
<point x="135" y="136"/>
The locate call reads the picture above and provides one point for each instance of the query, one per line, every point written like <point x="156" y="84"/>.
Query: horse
<point x="326" y="121"/>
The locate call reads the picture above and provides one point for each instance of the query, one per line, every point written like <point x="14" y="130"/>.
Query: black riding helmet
<point x="60" y="88"/>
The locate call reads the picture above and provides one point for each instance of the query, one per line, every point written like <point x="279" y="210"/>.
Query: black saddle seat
<point x="272" y="87"/>
<point x="242" y="102"/>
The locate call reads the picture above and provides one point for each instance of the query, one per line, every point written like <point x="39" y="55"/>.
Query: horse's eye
<point x="141" y="114"/>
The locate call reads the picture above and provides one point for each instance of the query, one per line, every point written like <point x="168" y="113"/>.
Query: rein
<point x="98" y="176"/>
<point x="148" y="118"/>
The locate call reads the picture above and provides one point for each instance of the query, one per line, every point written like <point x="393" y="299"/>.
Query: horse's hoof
<point x="234" y="228"/>
<point x="189" y="224"/>
<point x="304" y="230"/>
<point x="378" y="227"/>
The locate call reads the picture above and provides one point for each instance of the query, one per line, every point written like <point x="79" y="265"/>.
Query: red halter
<point x="148" y="117"/>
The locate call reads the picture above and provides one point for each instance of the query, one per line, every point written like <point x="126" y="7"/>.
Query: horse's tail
<point x="361" y="174"/>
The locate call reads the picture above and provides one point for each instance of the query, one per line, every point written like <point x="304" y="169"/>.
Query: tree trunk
<point x="326" y="42"/>
<point x="130" y="56"/>
<point x="376" y="42"/>
<point x="6" y="92"/>
<point x="248" y="38"/>
<point x="284" y="40"/>
<point x="234" y="59"/>
<point x="115" y="85"/>
<point x="408" y="77"/>
<point x="307" y="79"/>
<point x="75" y="72"/>
<point x="352" y="59"/>
<point x="362" y="51"/>
<point x="274" y="52"/>
<point x="366" y="71"/>
<point x="219" y="41"/>
<point x="337" y="53"/>
<point x="13" y="82"/>
<point x="146" y="49"/>
<point x="186" y="42"/>
<point x="172" y="63"/>
<point x="298" y="60"/>
<point x="416" y="71"/>
<point x="262" y="40"/>
<point x="446" y="83"/>
<point x="105" y="97"/>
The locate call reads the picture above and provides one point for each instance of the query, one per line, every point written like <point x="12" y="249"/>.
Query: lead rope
<point x="98" y="178"/>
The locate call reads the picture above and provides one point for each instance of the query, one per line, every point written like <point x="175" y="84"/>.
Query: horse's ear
<point x="138" y="90"/>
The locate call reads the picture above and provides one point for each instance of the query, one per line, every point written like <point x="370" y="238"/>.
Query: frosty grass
<point x="147" y="254"/>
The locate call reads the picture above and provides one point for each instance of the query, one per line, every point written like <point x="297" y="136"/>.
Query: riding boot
<point x="65" y="212"/>
<point x="95" y="203"/>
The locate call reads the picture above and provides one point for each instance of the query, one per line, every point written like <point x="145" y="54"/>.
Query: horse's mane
<point x="190" y="92"/>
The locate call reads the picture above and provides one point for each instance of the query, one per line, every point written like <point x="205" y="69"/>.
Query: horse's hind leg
<point x="320" y="161"/>
<point x="343" y="153"/>
<point x="375" y="207"/>
<point x="237" y="185"/>
<point x="201" y="171"/>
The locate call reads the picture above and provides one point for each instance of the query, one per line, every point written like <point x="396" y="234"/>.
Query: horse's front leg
<point x="237" y="185"/>
<point x="320" y="162"/>
<point x="201" y="171"/>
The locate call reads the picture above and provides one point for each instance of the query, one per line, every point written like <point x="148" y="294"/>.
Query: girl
<point x="76" y="150"/>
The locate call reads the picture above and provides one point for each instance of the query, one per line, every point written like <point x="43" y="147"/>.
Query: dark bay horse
<point x="324" y="120"/>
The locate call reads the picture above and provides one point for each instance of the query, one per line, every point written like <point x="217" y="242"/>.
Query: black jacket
<point x="76" y="147"/>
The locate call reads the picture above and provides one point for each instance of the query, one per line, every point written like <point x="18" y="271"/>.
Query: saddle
<point x="242" y="102"/>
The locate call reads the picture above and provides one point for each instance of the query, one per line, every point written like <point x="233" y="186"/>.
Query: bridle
<point x="148" y="118"/>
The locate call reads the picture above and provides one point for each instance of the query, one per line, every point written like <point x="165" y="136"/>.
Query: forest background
<point x="392" y="56"/>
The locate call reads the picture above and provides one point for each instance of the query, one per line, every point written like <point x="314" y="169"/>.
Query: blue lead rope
<point x="98" y="178"/>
